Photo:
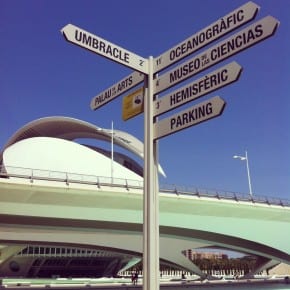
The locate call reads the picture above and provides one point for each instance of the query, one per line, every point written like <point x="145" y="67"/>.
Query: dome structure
<point x="58" y="155"/>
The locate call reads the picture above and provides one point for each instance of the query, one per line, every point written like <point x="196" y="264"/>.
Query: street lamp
<point x="248" y="170"/>
<point x="112" y="148"/>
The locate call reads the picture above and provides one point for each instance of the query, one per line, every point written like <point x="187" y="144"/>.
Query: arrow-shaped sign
<point x="192" y="91"/>
<point x="192" y="116"/>
<point x="117" y="89"/>
<point x="243" y="39"/>
<point x="105" y="48"/>
<point x="224" y="25"/>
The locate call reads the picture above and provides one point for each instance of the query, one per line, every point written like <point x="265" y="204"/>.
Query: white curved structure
<point x="58" y="155"/>
<point x="70" y="129"/>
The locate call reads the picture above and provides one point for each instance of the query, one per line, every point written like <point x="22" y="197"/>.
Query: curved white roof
<point x="70" y="129"/>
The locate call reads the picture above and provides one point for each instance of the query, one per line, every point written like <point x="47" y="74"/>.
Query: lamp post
<point x="111" y="132"/>
<point x="248" y="170"/>
<point x="112" y="153"/>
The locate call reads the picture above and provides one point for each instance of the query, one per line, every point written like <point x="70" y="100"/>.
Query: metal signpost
<point x="145" y="70"/>
<point x="151" y="206"/>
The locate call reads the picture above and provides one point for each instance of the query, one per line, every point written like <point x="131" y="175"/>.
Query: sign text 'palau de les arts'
<point x="117" y="89"/>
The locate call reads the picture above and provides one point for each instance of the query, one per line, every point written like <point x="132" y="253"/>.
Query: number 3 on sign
<point x="157" y="105"/>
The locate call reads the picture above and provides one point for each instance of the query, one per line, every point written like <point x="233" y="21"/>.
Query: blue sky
<point x="41" y="74"/>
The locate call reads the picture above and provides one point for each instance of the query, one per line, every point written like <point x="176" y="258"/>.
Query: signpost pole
<point x="151" y="204"/>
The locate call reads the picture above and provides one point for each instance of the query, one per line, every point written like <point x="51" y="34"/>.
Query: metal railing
<point x="99" y="181"/>
<point x="225" y="195"/>
<point x="53" y="251"/>
<point x="67" y="177"/>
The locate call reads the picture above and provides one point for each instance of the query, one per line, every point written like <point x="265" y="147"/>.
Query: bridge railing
<point x="67" y="177"/>
<point x="99" y="181"/>
<point x="220" y="194"/>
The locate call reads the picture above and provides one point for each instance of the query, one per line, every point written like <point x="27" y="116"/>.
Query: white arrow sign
<point x="192" y="116"/>
<point x="224" y="25"/>
<point x="192" y="91"/>
<point x="103" y="47"/>
<point x="243" y="39"/>
<point x="116" y="90"/>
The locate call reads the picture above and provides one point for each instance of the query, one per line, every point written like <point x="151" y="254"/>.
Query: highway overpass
<point x="57" y="192"/>
<point x="51" y="209"/>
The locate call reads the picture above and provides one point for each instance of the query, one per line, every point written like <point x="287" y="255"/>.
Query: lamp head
<point x="239" y="157"/>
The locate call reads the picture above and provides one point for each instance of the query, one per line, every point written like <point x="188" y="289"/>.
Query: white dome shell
<point x="54" y="154"/>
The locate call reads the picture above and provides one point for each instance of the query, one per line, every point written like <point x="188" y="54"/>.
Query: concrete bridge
<point x="95" y="213"/>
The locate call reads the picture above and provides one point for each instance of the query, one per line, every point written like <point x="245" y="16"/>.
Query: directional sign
<point x="209" y="83"/>
<point x="192" y="116"/>
<point x="133" y="104"/>
<point x="102" y="47"/>
<point x="224" y="25"/>
<point x="116" y="90"/>
<point x="243" y="39"/>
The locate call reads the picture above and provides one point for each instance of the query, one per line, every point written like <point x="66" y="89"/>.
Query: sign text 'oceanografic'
<point x="224" y="25"/>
